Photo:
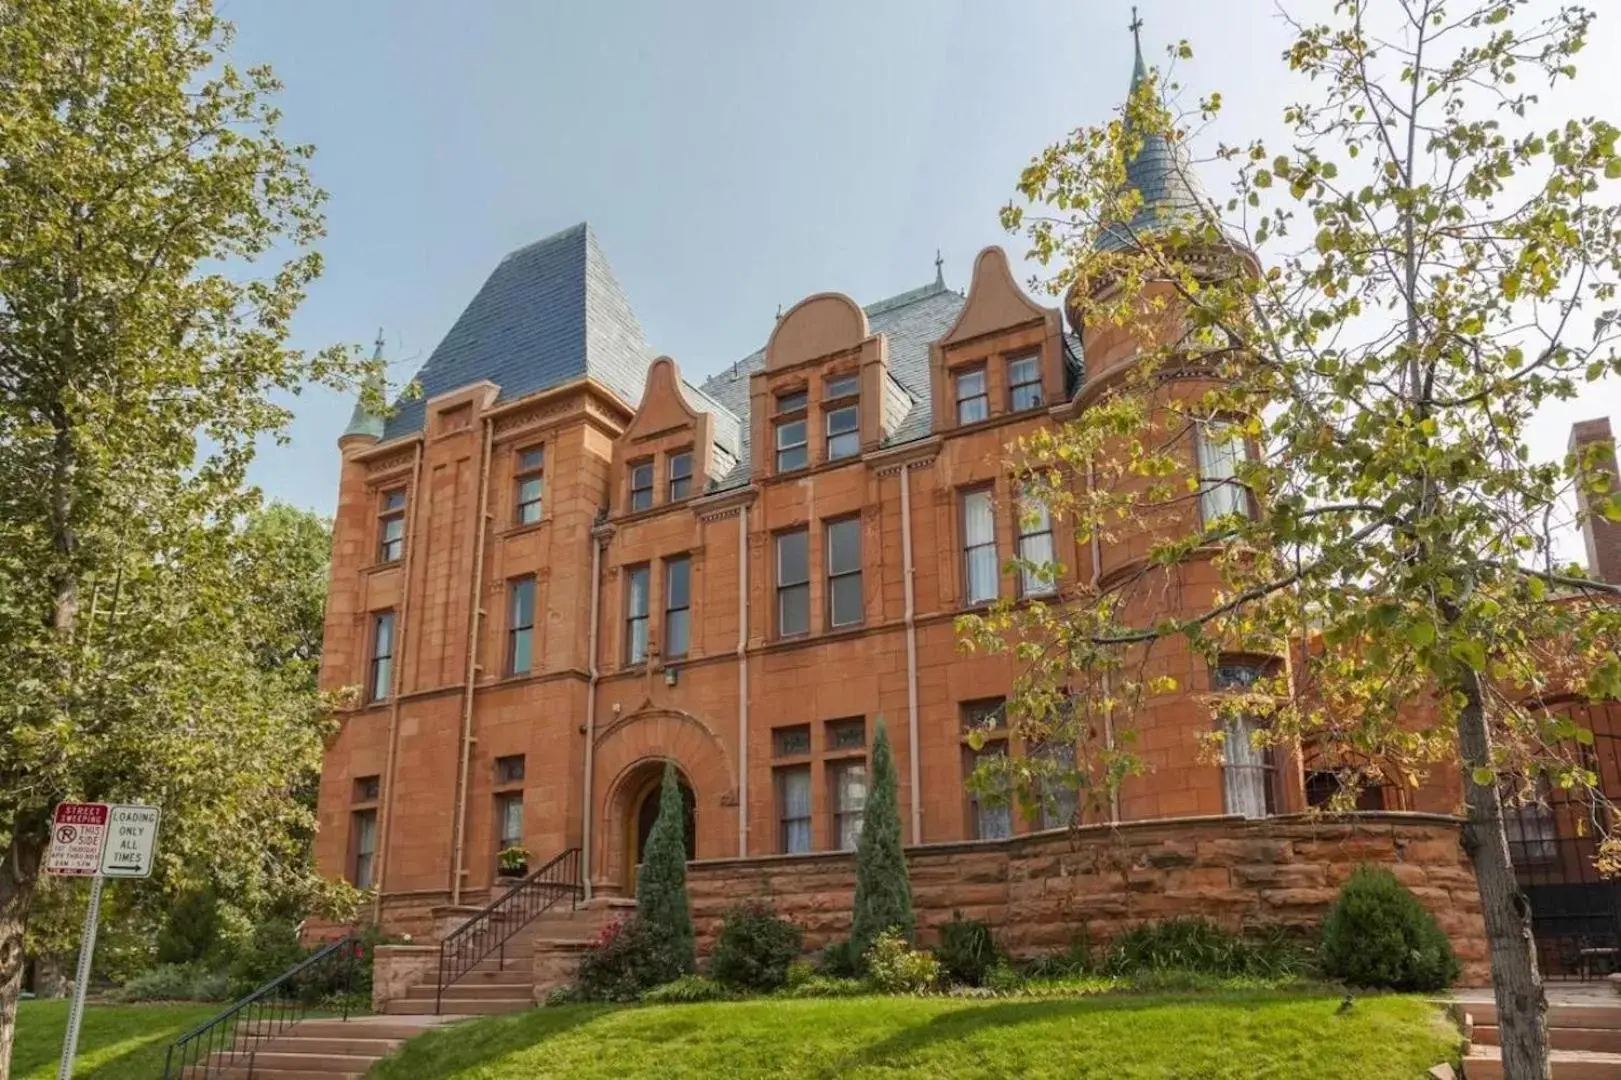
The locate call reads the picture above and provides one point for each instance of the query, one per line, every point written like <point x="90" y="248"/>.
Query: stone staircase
<point x="1585" y="1040"/>
<point x="312" y="1050"/>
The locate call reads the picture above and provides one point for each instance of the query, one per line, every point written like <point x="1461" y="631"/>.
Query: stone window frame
<point x="1013" y="360"/>
<point x="792" y="759"/>
<point x="365" y="796"/>
<point x="996" y="740"/>
<point x="790" y="406"/>
<point x="837" y="402"/>
<point x="668" y="649"/>
<point x="1239" y="672"/>
<point x="834" y="575"/>
<point x="1028" y="583"/>
<point x="837" y="760"/>
<point x="380" y="665"/>
<point x="988" y="489"/>
<point x="675" y="477"/>
<point x="524" y="473"/>
<point x="391" y="514"/>
<point x="514" y="628"/>
<point x="633" y="618"/>
<point x="507" y="789"/>
<point x="983" y="396"/>
<point x="638" y="496"/>
<point x="781" y="587"/>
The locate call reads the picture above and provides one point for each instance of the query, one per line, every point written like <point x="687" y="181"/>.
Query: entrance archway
<point x="644" y="789"/>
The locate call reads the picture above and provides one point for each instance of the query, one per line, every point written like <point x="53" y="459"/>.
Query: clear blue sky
<point x="731" y="155"/>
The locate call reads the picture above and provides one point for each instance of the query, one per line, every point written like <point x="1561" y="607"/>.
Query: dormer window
<point x="842" y="415"/>
<point x="973" y="403"/>
<point x="680" y="475"/>
<point x="792" y="446"/>
<point x="530" y="482"/>
<point x="1024" y="382"/>
<point x="641" y="486"/>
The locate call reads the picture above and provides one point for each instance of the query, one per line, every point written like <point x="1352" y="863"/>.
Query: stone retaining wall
<point x="1041" y="891"/>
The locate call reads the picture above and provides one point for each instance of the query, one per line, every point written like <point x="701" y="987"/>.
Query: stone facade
<point x="1043" y="891"/>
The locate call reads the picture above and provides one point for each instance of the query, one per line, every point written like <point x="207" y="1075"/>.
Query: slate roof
<point x="1164" y="175"/>
<point x="912" y="320"/>
<point x="549" y="313"/>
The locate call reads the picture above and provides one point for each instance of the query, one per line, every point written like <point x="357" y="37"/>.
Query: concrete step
<point x="1602" y="1040"/>
<point x="511" y="974"/>
<point x="465" y="991"/>
<point x="361" y="1027"/>
<point x="1563" y="1016"/>
<point x="459" y="1006"/>
<point x="351" y="1046"/>
<point x="259" y="1072"/>
<point x="1483" y="1063"/>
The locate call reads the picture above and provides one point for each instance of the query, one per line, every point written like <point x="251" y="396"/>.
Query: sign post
<point x="97" y="841"/>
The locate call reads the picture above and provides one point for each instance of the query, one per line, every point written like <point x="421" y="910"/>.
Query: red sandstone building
<point x="565" y="564"/>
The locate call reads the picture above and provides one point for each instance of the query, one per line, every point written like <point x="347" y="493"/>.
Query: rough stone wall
<point x="1042" y="891"/>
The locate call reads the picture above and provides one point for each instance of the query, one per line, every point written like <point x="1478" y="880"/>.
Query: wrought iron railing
<point x="486" y="933"/>
<point x="323" y="981"/>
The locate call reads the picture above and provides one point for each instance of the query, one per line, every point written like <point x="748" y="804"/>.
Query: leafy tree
<point x="883" y="899"/>
<point x="661" y="883"/>
<point x="1363" y="327"/>
<point x="155" y="241"/>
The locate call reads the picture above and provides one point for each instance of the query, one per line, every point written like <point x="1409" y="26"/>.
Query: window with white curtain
<point x="849" y="801"/>
<point x="1221" y="449"/>
<point x="637" y="581"/>
<point x="991" y="819"/>
<point x="794" y="803"/>
<point x="1245" y="769"/>
<point x="979" y="546"/>
<point x="1058" y="798"/>
<point x="1036" y="547"/>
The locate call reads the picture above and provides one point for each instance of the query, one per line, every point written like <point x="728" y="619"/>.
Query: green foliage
<point x="274" y="949"/>
<point x="1004" y="978"/>
<point x="661" y="883"/>
<point x="627" y="960"/>
<point x="176" y="982"/>
<point x="883" y="899"/>
<point x="967" y="951"/>
<point x="191" y="933"/>
<point x="1377" y="934"/>
<point x="894" y="967"/>
<point x="686" y="990"/>
<point x="755" y="948"/>
<point x="799" y="973"/>
<point x="826" y="986"/>
<point x="840" y="960"/>
<point x="1075" y="960"/>
<point x="1197" y="945"/>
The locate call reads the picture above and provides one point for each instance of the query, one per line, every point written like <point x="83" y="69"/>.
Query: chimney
<point x="1603" y="536"/>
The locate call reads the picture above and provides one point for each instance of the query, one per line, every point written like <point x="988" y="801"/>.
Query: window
<point x="1220" y="451"/>
<point x="842" y="416"/>
<point x="1245" y="766"/>
<point x="677" y="605"/>
<point x="378" y="683"/>
<point x="1058" y="796"/>
<point x="1024" y="382"/>
<point x="844" y="572"/>
<point x="521" y="626"/>
<point x="367" y="788"/>
<point x="849" y="801"/>
<point x="988" y="715"/>
<point x="680" y="475"/>
<point x="1533" y="833"/>
<point x="979" y="547"/>
<point x="1038" y="574"/>
<point x="793" y="582"/>
<point x="391" y="526"/>
<point x="792" y="450"/>
<point x="508" y="820"/>
<point x="794" y="809"/>
<point x="847" y="734"/>
<point x="641" y="485"/>
<point x="973" y="404"/>
<point x="990" y="819"/>
<point x="363" y="842"/>
<point x="1322" y="785"/>
<point x="636" y="608"/>
<point x="509" y="769"/>
<point x="530" y="484"/>
<point x="791" y="741"/>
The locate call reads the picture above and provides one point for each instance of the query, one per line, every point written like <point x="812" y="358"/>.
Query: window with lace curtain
<point x="1246" y="768"/>
<point x="849" y="802"/>
<point x="979" y="547"/>
<point x="1037" y="575"/>
<point x="1221" y="450"/>
<point x="794" y="809"/>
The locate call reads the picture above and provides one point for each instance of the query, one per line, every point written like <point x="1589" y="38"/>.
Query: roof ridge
<point x="579" y="227"/>
<point x="910" y="296"/>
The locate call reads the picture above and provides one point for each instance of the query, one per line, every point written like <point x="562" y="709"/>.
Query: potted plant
<point x="513" y="861"/>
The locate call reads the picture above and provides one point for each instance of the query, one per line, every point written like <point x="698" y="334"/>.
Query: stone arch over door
<point x="629" y="751"/>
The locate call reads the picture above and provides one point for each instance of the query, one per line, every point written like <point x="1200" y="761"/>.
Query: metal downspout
<point x="590" y="718"/>
<point x="913" y="750"/>
<point x="385" y="829"/>
<point x="742" y="682"/>
<point x="1097" y="575"/>
<point x="475" y="612"/>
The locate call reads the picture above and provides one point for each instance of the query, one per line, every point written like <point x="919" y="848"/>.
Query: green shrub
<point x="799" y="973"/>
<point x="754" y="948"/>
<point x="967" y="952"/>
<point x="1377" y="934"/>
<point x="824" y="986"/>
<point x="275" y="948"/>
<point x="883" y="899"/>
<point x="688" y="989"/>
<point x="625" y="962"/>
<point x="661" y="883"/>
<point x="840" y="960"/>
<point x="1004" y="978"/>
<point x="894" y="967"/>
<point x="1197" y="945"/>
<point x="567" y="994"/>
<point x="1073" y="961"/>
<point x="176" y="982"/>
<point x="190" y="933"/>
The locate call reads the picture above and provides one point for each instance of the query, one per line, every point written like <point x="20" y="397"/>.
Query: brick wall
<point x="1039" y="891"/>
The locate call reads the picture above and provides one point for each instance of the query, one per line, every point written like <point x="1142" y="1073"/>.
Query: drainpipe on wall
<point x="913" y="751"/>
<point x="1097" y="575"/>
<point x="475" y="612"/>
<point x="590" y="717"/>
<point x="385" y="828"/>
<point x="743" y="682"/>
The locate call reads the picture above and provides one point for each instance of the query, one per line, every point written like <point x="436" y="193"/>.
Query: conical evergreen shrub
<point x="883" y="892"/>
<point x="661" y="884"/>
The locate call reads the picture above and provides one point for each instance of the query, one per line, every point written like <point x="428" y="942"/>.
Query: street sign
<point x="78" y="833"/>
<point x="132" y="835"/>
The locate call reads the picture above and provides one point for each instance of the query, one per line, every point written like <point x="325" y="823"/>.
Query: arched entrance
<point x="644" y="789"/>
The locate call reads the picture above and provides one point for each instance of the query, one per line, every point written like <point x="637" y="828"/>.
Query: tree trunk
<point x="19" y="870"/>
<point x="1522" y="1006"/>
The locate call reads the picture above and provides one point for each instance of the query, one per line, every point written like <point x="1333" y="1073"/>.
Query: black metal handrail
<point x="234" y="1036"/>
<point x="487" y="932"/>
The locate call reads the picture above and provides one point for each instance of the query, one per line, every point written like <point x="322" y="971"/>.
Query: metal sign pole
<point x="87" y="949"/>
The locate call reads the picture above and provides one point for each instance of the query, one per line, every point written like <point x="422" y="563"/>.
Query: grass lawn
<point x="1236" y="1035"/>
<point x="116" y="1042"/>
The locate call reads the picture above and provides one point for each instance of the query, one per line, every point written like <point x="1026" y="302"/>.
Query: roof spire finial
<point x="377" y="346"/>
<point x="939" y="270"/>
<point x="1139" y="70"/>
